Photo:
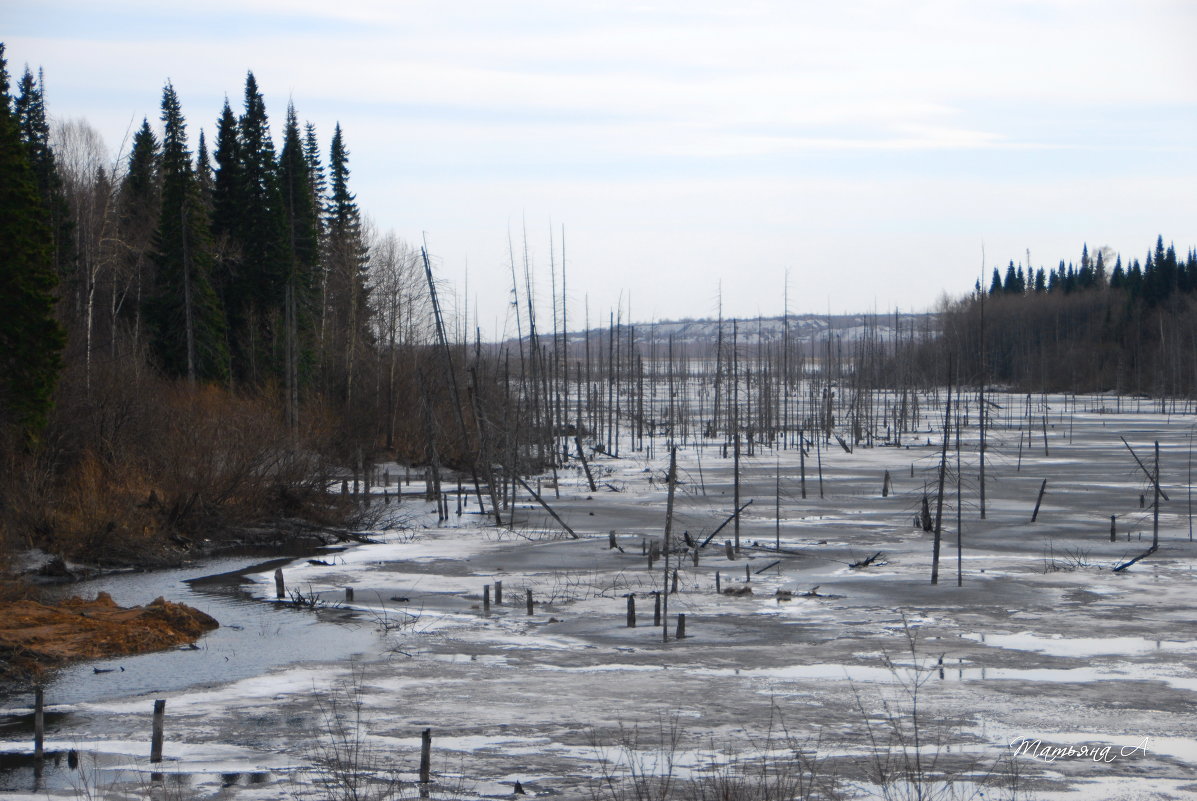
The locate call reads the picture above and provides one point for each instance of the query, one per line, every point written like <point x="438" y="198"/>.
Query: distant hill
<point x="695" y="336"/>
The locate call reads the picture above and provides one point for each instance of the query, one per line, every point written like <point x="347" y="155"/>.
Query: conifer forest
<point x="901" y="555"/>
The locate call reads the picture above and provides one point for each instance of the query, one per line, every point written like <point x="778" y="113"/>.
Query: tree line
<point x="1102" y="325"/>
<point x="194" y="330"/>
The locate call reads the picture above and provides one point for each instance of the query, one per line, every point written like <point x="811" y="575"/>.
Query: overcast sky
<point x="869" y="148"/>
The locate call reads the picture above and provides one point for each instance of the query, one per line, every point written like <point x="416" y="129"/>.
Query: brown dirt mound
<point x="34" y="636"/>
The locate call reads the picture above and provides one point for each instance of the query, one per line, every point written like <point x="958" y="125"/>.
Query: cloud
<point x="691" y="139"/>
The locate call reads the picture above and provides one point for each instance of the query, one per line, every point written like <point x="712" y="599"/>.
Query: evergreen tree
<point x="184" y="315"/>
<point x="226" y="219"/>
<point x="303" y="258"/>
<point x="301" y="209"/>
<point x="31" y="340"/>
<point x="1118" y="277"/>
<point x="1010" y="286"/>
<point x="995" y="284"/>
<point x="203" y="172"/>
<point x="311" y="154"/>
<point x="1134" y="279"/>
<point x="262" y="239"/>
<point x="29" y="108"/>
<point x="139" y="204"/>
<point x="345" y="302"/>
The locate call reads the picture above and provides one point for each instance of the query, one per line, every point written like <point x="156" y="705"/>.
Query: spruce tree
<point x="1010" y="287"/>
<point x="995" y="284"/>
<point x="345" y="306"/>
<point x="139" y="203"/>
<point x="184" y="315"/>
<point x="29" y="108"/>
<point x="31" y="340"/>
<point x="226" y="220"/>
<point x="1117" y="278"/>
<point x="316" y="179"/>
<point x="262" y="241"/>
<point x="203" y="172"/>
<point x="303" y="257"/>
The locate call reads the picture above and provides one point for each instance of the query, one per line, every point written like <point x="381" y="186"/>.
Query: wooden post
<point x="631" y="611"/>
<point x="280" y="587"/>
<point x="156" y="736"/>
<point x="611" y="540"/>
<point x="673" y="586"/>
<point x="529" y="600"/>
<point x="681" y="627"/>
<point x="1039" y="500"/>
<point x="349" y="595"/>
<point x="39" y="723"/>
<point x="425" y="756"/>
<point x="728" y="552"/>
<point x="656" y="608"/>
<point x="747" y="572"/>
<point x="1113" y="535"/>
<point x="694" y="556"/>
<point x="885" y="485"/>
<point x="486" y="599"/>
<point x="498" y="593"/>
<point x="717" y="589"/>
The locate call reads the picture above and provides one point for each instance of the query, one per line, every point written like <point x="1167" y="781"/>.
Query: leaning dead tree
<point x="1154" y="476"/>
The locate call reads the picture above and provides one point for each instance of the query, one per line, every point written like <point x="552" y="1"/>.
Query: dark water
<point x="255" y="637"/>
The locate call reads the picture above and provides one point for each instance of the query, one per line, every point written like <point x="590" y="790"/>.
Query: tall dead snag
<point x="439" y="320"/>
<point x="668" y="531"/>
<point x="1158" y="493"/>
<point x="736" y="433"/>
<point x="943" y="468"/>
<point x="1150" y="475"/>
<point x="1155" y="507"/>
<point x="959" y="502"/>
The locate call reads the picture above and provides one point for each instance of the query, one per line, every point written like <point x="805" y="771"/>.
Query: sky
<point x="846" y="157"/>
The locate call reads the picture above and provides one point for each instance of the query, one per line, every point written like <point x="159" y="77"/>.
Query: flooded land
<point x="1032" y="669"/>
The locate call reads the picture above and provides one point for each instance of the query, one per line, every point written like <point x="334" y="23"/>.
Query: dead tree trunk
<point x="943" y="466"/>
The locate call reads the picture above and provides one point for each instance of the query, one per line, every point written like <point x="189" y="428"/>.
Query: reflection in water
<point x="254" y="638"/>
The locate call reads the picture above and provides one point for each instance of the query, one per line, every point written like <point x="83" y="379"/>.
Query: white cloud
<point x="701" y="138"/>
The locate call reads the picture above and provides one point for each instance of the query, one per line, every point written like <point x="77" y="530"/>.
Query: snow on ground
<point x="1043" y="641"/>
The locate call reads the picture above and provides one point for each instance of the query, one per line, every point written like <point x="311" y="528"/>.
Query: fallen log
<point x="866" y="562"/>
<point x="730" y="518"/>
<point x="1143" y="555"/>
<point x="547" y="508"/>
